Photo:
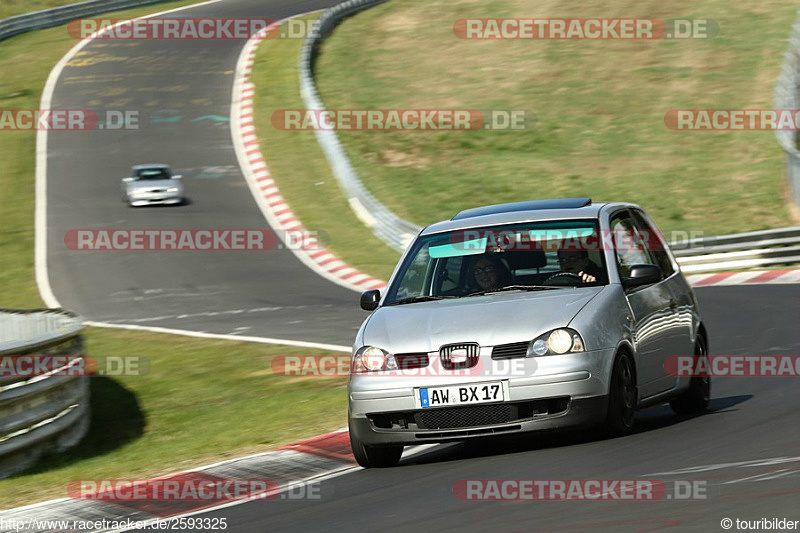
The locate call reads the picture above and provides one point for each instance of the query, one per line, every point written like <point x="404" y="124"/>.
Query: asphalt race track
<point x="750" y="419"/>
<point x="182" y="92"/>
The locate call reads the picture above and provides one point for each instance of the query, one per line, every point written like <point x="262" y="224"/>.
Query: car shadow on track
<point x="652" y="419"/>
<point x="115" y="420"/>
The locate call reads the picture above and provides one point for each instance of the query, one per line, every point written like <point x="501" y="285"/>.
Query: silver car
<point x="520" y="317"/>
<point x="152" y="184"/>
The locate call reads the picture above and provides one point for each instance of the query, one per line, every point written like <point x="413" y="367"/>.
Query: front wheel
<point x="621" y="398"/>
<point x="697" y="396"/>
<point x="373" y="457"/>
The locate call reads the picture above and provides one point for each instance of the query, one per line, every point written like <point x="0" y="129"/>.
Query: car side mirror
<point x="642" y="274"/>
<point x="128" y="179"/>
<point x="370" y="299"/>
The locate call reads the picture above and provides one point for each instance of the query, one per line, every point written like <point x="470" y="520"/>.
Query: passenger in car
<point x="577" y="262"/>
<point x="490" y="272"/>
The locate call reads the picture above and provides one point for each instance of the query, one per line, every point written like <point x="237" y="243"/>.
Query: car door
<point x="681" y="340"/>
<point x="650" y="305"/>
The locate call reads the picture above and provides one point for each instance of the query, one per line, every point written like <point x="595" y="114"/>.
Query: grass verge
<point x="600" y="108"/>
<point x="202" y="400"/>
<point x="299" y="167"/>
<point x="9" y="8"/>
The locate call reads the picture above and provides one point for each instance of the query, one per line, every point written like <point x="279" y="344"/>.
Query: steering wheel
<point x="563" y="279"/>
<point x="444" y="275"/>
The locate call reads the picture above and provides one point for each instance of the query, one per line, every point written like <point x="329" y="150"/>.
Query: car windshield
<point x="153" y="174"/>
<point x="519" y="257"/>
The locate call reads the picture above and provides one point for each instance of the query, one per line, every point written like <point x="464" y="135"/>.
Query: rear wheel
<point x="373" y="457"/>
<point x="621" y="398"/>
<point x="696" y="397"/>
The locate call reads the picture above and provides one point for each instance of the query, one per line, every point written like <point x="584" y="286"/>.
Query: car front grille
<point x="459" y="356"/>
<point x="468" y="416"/>
<point x="510" y="351"/>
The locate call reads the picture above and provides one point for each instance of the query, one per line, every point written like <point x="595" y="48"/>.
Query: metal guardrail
<point x="47" y="410"/>
<point x="742" y="250"/>
<point x="387" y="226"/>
<point x="48" y="18"/>
<point x="787" y="90"/>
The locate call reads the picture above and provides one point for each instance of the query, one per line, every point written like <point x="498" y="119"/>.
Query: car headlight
<point x="556" y="342"/>
<point x="372" y="359"/>
<point x="173" y="189"/>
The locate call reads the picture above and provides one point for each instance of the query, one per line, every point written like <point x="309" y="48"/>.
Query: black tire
<point x="373" y="457"/>
<point x="621" y="398"/>
<point x="695" y="399"/>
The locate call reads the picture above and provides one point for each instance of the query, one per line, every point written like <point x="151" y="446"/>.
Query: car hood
<point x="152" y="184"/>
<point x="489" y="320"/>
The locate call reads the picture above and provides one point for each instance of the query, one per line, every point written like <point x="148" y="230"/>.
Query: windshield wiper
<point x="414" y="299"/>
<point x="519" y="288"/>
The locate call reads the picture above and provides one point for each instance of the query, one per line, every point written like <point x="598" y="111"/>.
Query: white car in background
<point x="152" y="184"/>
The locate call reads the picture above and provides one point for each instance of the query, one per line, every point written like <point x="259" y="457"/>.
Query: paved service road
<point x="182" y="91"/>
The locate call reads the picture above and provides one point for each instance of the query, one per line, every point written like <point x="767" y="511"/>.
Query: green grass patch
<point x="9" y="8"/>
<point x="299" y="167"/>
<point x="600" y="108"/>
<point x="202" y="401"/>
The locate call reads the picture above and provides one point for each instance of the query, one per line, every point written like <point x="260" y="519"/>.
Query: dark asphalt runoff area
<point x="750" y="422"/>
<point x="182" y="92"/>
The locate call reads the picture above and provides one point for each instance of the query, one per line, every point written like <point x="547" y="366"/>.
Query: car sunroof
<point x="531" y="205"/>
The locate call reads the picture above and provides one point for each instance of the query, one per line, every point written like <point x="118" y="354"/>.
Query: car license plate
<point x="490" y="392"/>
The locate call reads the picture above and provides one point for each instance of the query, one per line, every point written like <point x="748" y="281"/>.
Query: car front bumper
<point x="155" y="199"/>
<point x="556" y="392"/>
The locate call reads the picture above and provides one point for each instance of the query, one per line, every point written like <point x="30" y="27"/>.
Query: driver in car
<point x="577" y="262"/>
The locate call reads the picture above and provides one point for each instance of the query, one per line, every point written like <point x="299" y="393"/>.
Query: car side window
<point x="655" y="245"/>
<point x="413" y="282"/>
<point x="629" y="248"/>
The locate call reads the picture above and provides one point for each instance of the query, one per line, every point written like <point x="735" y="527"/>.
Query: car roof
<point x="149" y="165"/>
<point x="537" y="210"/>
<point x="529" y="205"/>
